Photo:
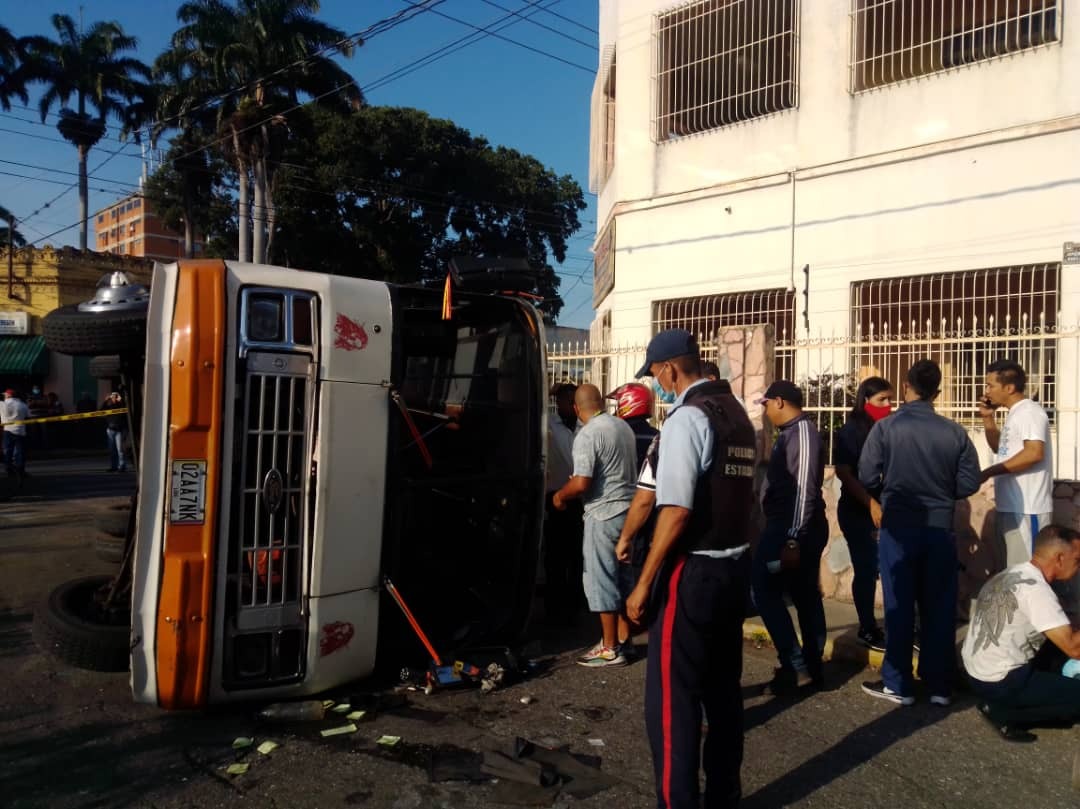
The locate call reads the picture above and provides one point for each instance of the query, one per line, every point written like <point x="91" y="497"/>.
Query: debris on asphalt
<point x="237" y="769"/>
<point x="493" y="678"/>
<point x="240" y="742"/>
<point x="268" y="747"/>
<point x="524" y="771"/>
<point x="338" y="731"/>
<point x="527" y="700"/>
<point x="598" y="713"/>
<point x="596" y="742"/>
<point x="304" y="711"/>
<point x="386" y="741"/>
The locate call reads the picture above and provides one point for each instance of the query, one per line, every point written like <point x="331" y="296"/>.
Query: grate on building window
<point x="705" y="315"/>
<point x="964" y="321"/>
<point x="719" y="62"/>
<point x="894" y="40"/>
<point x="602" y="148"/>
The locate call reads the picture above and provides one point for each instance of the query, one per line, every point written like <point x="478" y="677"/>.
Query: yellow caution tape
<point x="71" y="417"/>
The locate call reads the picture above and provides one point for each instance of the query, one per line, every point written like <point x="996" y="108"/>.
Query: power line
<point x="427" y="59"/>
<point x="527" y="47"/>
<point x="373" y="30"/>
<point x="590" y="45"/>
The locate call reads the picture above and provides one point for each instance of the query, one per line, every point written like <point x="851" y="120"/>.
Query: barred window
<point x="894" y="40"/>
<point x="718" y="62"/>
<point x="602" y="147"/>
<point x="963" y="321"/>
<point x="705" y="315"/>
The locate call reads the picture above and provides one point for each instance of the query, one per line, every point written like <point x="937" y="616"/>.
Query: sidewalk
<point x="842" y="644"/>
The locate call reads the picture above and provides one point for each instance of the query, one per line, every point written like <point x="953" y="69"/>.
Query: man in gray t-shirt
<point x="605" y="461"/>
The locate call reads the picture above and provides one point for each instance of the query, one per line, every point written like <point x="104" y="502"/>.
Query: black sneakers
<point x="1010" y="733"/>
<point x="881" y="691"/>
<point x="872" y="639"/>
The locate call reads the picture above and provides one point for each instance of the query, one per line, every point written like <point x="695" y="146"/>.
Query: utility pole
<point x="11" y="257"/>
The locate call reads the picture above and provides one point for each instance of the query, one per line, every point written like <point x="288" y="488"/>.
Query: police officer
<point x="695" y="580"/>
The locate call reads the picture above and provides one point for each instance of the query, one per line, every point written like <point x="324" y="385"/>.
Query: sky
<point x="531" y="94"/>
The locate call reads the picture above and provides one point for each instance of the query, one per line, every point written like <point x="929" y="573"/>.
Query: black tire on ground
<point x="69" y="625"/>
<point x="113" y="521"/>
<point x="81" y="334"/>
<point x="106" y="367"/>
<point x="109" y="548"/>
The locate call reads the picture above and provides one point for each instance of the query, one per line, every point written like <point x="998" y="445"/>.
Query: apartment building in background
<point x="131" y="227"/>
<point x="879" y="180"/>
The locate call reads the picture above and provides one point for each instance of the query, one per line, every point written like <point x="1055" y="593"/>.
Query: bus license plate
<point x="188" y="503"/>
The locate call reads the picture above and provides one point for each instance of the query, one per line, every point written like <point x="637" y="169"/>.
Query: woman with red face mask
<point x="859" y="511"/>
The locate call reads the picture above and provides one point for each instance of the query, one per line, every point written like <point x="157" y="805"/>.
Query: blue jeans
<point x="919" y="565"/>
<point x="13" y="451"/>
<point x="1035" y="693"/>
<point x="804" y="586"/>
<point x="116" y="449"/>
<point x="861" y="537"/>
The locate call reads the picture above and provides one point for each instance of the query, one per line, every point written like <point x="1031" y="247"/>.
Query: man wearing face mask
<point x="695" y="579"/>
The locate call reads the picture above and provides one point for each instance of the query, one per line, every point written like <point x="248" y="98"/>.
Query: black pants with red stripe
<point x="695" y="663"/>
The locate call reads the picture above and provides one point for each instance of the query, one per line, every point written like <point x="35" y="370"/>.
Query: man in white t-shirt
<point x="1015" y="613"/>
<point x="1023" y="474"/>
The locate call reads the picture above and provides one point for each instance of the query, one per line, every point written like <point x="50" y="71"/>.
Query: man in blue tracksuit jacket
<point x="924" y="463"/>
<point x="788" y="554"/>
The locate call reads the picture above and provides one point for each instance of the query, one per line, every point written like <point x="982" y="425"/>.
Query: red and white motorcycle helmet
<point x="632" y="399"/>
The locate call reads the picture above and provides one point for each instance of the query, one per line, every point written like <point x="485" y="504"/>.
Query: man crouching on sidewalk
<point x="1013" y="670"/>
<point x="605" y="469"/>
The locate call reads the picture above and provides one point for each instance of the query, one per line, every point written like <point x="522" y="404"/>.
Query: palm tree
<point x="11" y="78"/>
<point x="8" y="235"/>
<point x="250" y="61"/>
<point x="89" y="66"/>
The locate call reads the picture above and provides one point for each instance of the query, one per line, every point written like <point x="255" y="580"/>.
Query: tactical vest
<point x="724" y="496"/>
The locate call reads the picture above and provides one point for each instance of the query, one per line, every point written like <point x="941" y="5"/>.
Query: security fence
<point x="829" y="369"/>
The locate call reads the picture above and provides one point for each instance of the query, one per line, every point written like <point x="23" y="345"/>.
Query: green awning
<point x="23" y="356"/>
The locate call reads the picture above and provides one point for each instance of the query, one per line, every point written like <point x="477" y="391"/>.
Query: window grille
<point x="705" y="315"/>
<point x="894" y="40"/>
<point x="602" y="148"/>
<point x="718" y="62"/>
<point x="964" y="321"/>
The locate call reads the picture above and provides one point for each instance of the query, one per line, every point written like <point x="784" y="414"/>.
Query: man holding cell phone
<point x="1023" y="474"/>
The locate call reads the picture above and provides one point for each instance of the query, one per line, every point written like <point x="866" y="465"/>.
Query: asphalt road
<point x="71" y="738"/>
<point x="67" y="479"/>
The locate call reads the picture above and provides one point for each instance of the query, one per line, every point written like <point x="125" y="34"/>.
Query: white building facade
<point x="878" y="179"/>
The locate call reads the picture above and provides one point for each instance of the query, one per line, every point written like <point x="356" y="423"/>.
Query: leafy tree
<point x="392" y="193"/>
<point x="6" y="234"/>
<point x="188" y="192"/>
<point x="89" y="66"/>
<point x="249" y="62"/>
<point x="11" y="78"/>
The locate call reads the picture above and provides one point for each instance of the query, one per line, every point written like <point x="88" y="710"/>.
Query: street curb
<point x="840" y="647"/>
